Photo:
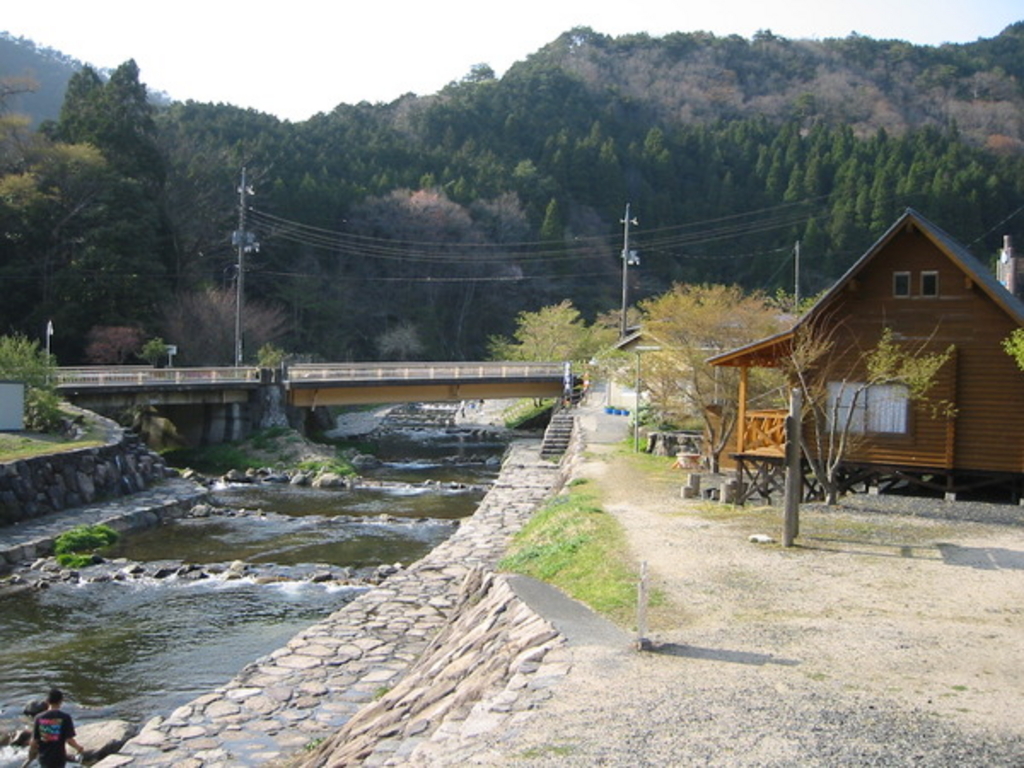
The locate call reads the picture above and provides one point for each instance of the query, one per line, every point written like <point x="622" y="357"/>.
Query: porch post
<point x="794" y="474"/>
<point x="741" y="417"/>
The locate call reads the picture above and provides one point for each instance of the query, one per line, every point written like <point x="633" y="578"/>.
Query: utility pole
<point x="246" y="242"/>
<point x="628" y="258"/>
<point x="796" y="278"/>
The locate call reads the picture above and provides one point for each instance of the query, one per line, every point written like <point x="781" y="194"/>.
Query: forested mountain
<point x="36" y="77"/>
<point x="421" y="227"/>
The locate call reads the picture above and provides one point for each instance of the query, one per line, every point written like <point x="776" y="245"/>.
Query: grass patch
<point x="525" y="411"/>
<point x="266" y="439"/>
<point x="576" y="546"/>
<point x="75" y="548"/>
<point x="213" y="459"/>
<point x="15" y="446"/>
<point x="337" y="466"/>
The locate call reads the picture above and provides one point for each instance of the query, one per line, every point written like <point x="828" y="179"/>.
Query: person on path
<point x="51" y="731"/>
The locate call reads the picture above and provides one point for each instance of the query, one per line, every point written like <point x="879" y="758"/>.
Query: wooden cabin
<point x="930" y="292"/>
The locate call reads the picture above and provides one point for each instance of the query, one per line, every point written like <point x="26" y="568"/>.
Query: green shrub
<point x="42" y="410"/>
<point x="75" y="548"/>
<point x="22" y="360"/>
<point x="75" y="560"/>
<point x="270" y="356"/>
<point x="154" y="351"/>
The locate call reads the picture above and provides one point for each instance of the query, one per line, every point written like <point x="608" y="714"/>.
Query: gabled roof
<point x="761" y="352"/>
<point x="634" y="341"/>
<point x="956" y="253"/>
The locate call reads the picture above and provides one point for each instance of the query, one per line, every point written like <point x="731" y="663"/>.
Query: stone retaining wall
<point x="33" y="487"/>
<point x="491" y="663"/>
<point x="171" y="499"/>
<point x="447" y="612"/>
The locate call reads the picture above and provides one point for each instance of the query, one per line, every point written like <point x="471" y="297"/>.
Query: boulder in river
<point x="331" y="480"/>
<point x="103" y="738"/>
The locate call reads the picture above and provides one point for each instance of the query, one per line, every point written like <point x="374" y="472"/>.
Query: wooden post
<point x="741" y="416"/>
<point x="642" y="643"/>
<point x="794" y="470"/>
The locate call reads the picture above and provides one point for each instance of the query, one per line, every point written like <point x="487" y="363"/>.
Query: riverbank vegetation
<point x="51" y="426"/>
<point x="573" y="544"/>
<point x="275" y="447"/>
<point x="14" y="447"/>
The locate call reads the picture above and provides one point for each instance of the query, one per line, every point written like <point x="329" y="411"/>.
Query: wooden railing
<point x="764" y="431"/>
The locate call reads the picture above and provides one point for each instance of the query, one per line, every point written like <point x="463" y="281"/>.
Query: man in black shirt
<point x="51" y="730"/>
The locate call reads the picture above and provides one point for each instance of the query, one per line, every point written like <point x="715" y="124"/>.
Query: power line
<point x="446" y="252"/>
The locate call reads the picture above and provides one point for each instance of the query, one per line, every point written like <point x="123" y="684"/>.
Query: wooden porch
<point x="761" y="455"/>
<point x="761" y="469"/>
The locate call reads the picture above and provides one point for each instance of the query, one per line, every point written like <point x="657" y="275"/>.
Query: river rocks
<point x="104" y="738"/>
<point x="32" y="539"/>
<point x="46" y="572"/>
<point x="363" y="461"/>
<point x="331" y="480"/>
<point x="301" y="478"/>
<point x="237" y="476"/>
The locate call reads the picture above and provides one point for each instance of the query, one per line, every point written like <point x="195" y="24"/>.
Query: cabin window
<point x="879" y="408"/>
<point x="901" y="284"/>
<point x="929" y="283"/>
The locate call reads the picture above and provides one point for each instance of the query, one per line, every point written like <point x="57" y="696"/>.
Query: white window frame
<point x="878" y="409"/>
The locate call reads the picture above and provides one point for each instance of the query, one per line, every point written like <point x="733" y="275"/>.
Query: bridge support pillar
<point x="223" y="423"/>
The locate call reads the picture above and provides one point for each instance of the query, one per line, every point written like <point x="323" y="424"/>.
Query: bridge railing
<point x="141" y="375"/>
<point x="130" y="375"/>
<point x="422" y="371"/>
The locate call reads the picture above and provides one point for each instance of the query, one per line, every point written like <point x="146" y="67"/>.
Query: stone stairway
<point x="557" y="435"/>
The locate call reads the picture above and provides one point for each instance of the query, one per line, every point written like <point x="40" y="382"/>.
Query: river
<point x="136" y="648"/>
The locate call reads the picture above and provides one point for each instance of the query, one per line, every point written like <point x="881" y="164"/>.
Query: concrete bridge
<point x="214" y="404"/>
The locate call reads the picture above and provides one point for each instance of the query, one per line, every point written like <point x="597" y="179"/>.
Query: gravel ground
<point x="892" y="635"/>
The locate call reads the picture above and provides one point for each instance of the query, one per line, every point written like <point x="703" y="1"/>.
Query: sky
<point x="295" y="59"/>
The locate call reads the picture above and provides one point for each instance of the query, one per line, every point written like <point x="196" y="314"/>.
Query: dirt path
<point x="880" y="639"/>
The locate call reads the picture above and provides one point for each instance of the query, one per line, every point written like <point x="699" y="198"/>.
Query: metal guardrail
<point x="422" y="371"/>
<point x="124" y="375"/>
<point x="129" y="376"/>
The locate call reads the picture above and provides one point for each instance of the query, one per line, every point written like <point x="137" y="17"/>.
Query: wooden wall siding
<point x="984" y="382"/>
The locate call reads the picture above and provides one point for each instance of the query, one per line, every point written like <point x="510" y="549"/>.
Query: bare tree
<point x="112" y="344"/>
<point x="400" y="343"/>
<point x="202" y="326"/>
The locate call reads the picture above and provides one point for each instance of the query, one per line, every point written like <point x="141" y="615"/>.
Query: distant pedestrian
<point x="51" y="731"/>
